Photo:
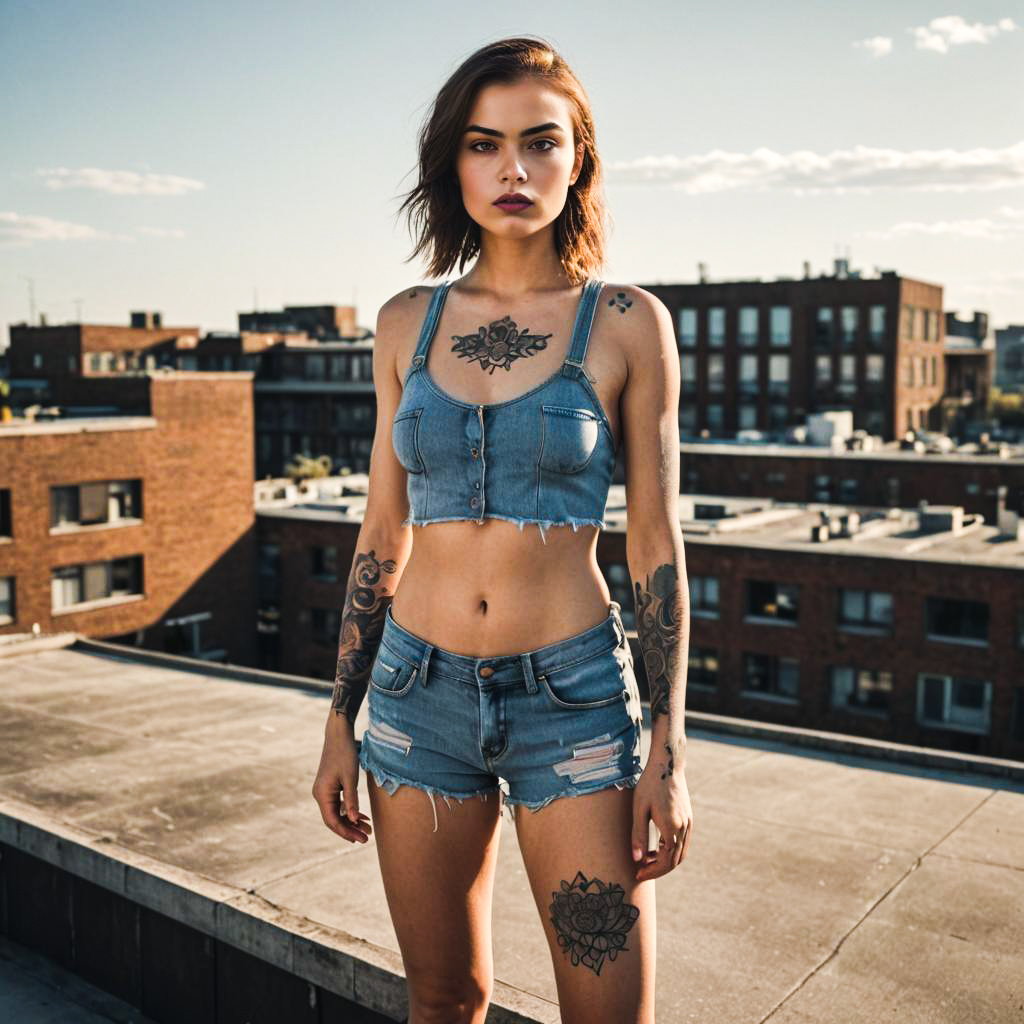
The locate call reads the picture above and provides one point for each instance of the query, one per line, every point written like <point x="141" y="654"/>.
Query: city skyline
<point x="210" y="161"/>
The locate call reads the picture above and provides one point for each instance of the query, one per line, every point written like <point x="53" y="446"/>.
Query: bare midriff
<point x="486" y="589"/>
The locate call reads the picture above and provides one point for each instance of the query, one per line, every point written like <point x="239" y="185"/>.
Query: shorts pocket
<point x="569" y="440"/>
<point x="392" y="675"/>
<point x="592" y="683"/>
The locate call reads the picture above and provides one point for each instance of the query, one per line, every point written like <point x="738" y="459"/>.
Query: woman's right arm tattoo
<point x="362" y="625"/>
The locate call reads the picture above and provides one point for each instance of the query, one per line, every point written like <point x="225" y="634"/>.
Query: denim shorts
<point x="561" y="720"/>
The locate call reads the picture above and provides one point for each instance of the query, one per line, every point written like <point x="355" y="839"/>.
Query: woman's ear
<point x="577" y="163"/>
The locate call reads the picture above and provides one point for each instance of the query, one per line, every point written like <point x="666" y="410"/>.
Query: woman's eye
<point x="549" y="145"/>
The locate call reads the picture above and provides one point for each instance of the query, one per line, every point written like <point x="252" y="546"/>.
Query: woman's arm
<point x="657" y="566"/>
<point x="383" y="545"/>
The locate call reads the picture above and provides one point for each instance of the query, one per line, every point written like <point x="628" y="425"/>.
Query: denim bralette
<point x="545" y="457"/>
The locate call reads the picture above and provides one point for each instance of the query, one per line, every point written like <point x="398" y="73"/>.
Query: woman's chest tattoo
<point x="498" y="345"/>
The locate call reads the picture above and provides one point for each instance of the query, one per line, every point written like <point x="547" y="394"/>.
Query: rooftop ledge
<point x="166" y="802"/>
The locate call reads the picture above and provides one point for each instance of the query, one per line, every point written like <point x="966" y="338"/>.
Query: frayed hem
<point x="541" y="524"/>
<point x="536" y="805"/>
<point x="390" y="782"/>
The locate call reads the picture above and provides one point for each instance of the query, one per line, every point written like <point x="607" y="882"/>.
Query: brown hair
<point x="435" y="213"/>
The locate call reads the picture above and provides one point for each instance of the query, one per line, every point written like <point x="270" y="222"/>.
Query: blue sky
<point x="193" y="158"/>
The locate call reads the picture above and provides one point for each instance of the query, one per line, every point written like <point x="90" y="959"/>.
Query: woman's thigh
<point x="439" y="888"/>
<point x="599" y="921"/>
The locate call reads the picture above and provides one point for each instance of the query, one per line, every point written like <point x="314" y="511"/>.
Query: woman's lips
<point x="509" y="206"/>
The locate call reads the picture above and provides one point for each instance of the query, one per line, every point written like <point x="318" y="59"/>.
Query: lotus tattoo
<point x="591" y="919"/>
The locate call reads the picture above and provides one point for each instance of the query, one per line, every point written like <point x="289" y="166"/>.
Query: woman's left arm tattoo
<point x="662" y="614"/>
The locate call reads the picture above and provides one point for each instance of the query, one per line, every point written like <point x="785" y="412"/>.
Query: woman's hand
<point x="339" y="771"/>
<point x="664" y="799"/>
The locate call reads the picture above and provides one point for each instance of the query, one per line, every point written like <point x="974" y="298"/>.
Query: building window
<point x="823" y="369"/>
<point x="5" y="513"/>
<point x="716" y="417"/>
<point x="748" y="326"/>
<point x="688" y="373"/>
<point x="716" y="326"/>
<point x="860" y="689"/>
<point x="702" y="667"/>
<point x="778" y="375"/>
<point x="849" y="319"/>
<point x="908" y="321"/>
<point x="7" y="613"/>
<point x="748" y="375"/>
<point x="865" y="609"/>
<point x="876" y="324"/>
<point x="849" y="490"/>
<point x="269" y="560"/>
<point x="104" y="502"/>
<point x="847" y="374"/>
<point x="781" y="325"/>
<point x="704" y="596"/>
<point x="184" y="636"/>
<point x="95" y="581"/>
<point x="748" y="417"/>
<point x="776" y="602"/>
<point x="326" y="625"/>
<point x="688" y="419"/>
<point x="935" y="362"/>
<point x="716" y="372"/>
<point x="954" y="702"/>
<point x="958" y="620"/>
<point x="324" y="563"/>
<point x="687" y="327"/>
<point x="824" y="326"/>
<point x="778" y="416"/>
<point x="767" y="674"/>
<point x="874" y="368"/>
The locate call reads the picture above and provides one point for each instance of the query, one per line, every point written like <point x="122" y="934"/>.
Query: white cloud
<point x="22" y="229"/>
<point x="979" y="227"/>
<point x="952" y="30"/>
<point x="163" y="232"/>
<point x="122" y="183"/>
<point x="877" y="46"/>
<point x="997" y="283"/>
<point x="861" y="169"/>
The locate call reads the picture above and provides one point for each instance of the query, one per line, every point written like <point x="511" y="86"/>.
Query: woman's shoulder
<point x="638" y="318"/>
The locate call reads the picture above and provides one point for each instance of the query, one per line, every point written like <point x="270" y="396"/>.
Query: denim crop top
<point x="545" y="457"/>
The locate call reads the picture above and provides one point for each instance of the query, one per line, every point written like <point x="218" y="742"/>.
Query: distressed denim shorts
<point x="561" y="720"/>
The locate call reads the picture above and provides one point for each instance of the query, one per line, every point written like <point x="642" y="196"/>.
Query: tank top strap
<point x="573" y="365"/>
<point x="429" y="327"/>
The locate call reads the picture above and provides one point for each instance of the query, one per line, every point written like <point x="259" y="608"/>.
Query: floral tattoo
<point x="499" y="344"/>
<point x="591" y="920"/>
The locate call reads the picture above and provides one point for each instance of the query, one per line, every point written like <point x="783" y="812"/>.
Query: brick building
<point x="135" y="527"/>
<point x="762" y="355"/>
<point x="889" y="477"/>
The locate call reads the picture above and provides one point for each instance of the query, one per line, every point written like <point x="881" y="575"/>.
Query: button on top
<point x="473" y="502"/>
<point x="474" y="452"/>
<point x="487" y="671"/>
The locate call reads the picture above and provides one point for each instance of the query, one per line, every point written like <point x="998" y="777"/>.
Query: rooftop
<point x="828" y="878"/>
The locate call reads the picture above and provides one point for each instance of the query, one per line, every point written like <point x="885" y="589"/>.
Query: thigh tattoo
<point x="591" y="919"/>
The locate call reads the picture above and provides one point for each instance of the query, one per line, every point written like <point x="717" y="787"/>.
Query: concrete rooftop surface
<point x="829" y="879"/>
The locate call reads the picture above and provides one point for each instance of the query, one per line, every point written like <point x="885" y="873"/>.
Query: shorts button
<point x="487" y="671"/>
<point x="474" y="502"/>
<point x="475" y="452"/>
<point x="477" y="486"/>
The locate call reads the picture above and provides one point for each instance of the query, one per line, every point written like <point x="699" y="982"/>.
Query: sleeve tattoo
<point x="662" y="634"/>
<point x="362" y="624"/>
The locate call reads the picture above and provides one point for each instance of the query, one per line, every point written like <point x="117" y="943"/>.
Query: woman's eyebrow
<point x="551" y="126"/>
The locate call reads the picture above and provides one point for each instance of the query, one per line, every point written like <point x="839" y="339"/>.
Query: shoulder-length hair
<point x="435" y="212"/>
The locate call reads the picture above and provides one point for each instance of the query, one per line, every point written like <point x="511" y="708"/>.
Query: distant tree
<point x="305" y="467"/>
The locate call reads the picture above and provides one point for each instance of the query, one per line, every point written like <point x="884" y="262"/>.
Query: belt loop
<point x="423" y="663"/>
<point x="531" y="683"/>
<point x="614" y="608"/>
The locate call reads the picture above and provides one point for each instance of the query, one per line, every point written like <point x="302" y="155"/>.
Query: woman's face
<point x="495" y="157"/>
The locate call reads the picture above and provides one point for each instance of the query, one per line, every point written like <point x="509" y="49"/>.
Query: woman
<point x="503" y="398"/>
